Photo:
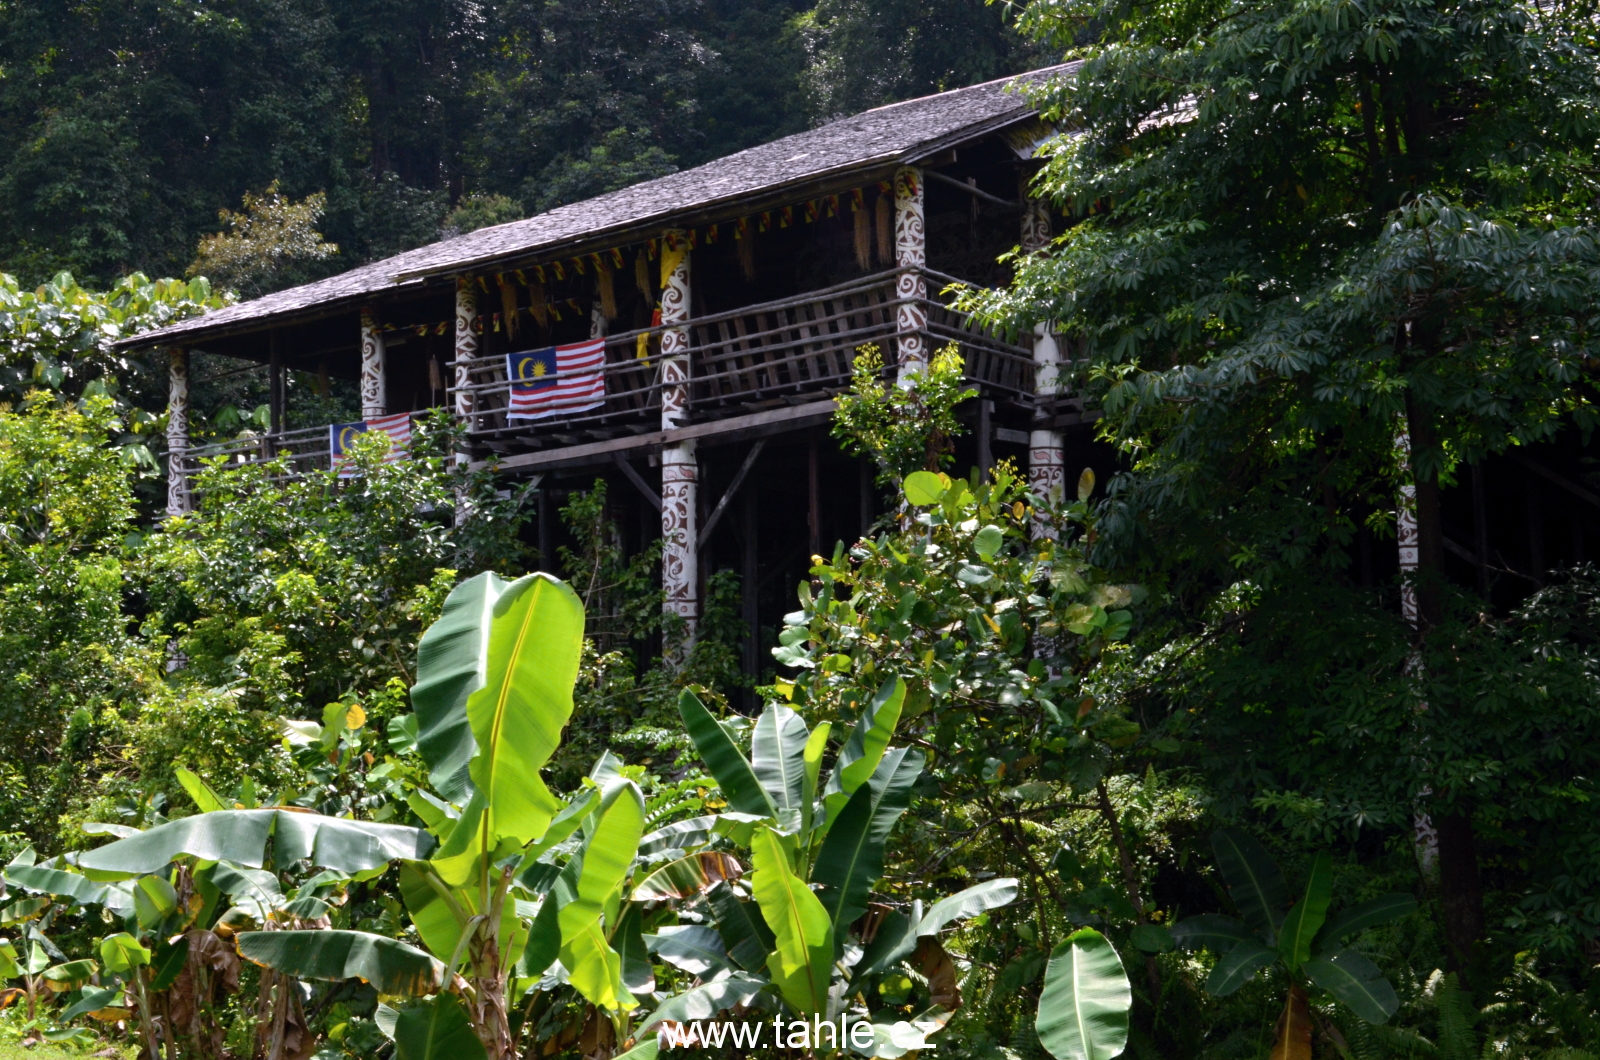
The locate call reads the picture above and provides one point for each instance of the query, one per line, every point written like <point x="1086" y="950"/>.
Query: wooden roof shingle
<point x="899" y="133"/>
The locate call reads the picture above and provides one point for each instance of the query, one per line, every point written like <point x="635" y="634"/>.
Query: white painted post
<point x="1424" y="836"/>
<point x="466" y="344"/>
<point x="1046" y="473"/>
<point x="178" y="499"/>
<point x="374" y="385"/>
<point x="680" y="471"/>
<point x="910" y="257"/>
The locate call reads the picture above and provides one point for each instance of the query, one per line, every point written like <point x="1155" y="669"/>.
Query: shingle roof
<point x="897" y="133"/>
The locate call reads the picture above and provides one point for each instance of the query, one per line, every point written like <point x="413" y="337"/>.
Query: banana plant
<point x="516" y="888"/>
<point x="1083" y="1008"/>
<point x="806" y="933"/>
<point x="1296" y="932"/>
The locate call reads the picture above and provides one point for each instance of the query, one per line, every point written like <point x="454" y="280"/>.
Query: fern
<point x="1456" y="1017"/>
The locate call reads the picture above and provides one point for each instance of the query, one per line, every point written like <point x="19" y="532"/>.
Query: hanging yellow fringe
<point x="885" y="231"/>
<point x="641" y="274"/>
<point x="537" y="305"/>
<point x="608" y="291"/>
<point x="508" y="305"/>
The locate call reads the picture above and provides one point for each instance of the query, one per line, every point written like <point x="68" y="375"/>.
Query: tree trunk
<point x="1461" y="892"/>
<point x="488" y="1008"/>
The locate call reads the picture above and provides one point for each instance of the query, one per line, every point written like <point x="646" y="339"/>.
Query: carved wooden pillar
<point x="1424" y="835"/>
<point x="911" y="257"/>
<point x="1046" y="475"/>
<point x="178" y="500"/>
<point x="466" y="343"/>
<point x="680" y="472"/>
<point x="374" y="386"/>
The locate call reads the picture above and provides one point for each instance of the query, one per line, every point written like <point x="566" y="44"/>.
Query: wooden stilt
<point x="275" y="387"/>
<point x="178" y="499"/>
<point x="985" y="438"/>
<point x="547" y="555"/>
<point x="748" y="589"/>
<point x="866" y="498"/>
<point x="814" y="512"/>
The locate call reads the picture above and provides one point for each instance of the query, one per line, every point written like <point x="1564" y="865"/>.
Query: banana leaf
<point x="777" y="754"/>
<point x="1211" y="931"/>
<point x="594" y="968"/>
<point x="1254" y="880"/>
<point x="1368" y="914"/>
<point x="1083" y="1009"/>
<point x="1238" y="966"/>
<point x="1357" y="982"/>
<point x="851" y="858"/>
<point x="436" y="1030"/>
<point x="745" y="934"/>
<point x="241" y="836"/>
<point x="704" y="1002"/>
<point x="391" y="967"/>
<point x="695" y="949"/>
<point x="862" y="752"/>
<point x="452" y="659"/>
<point x="979" y="898"/>
<point x="687" y="877"/>
<point x="733" y="774"/>
<point x="534" y="643"/>
<point x="1306" y="918"/>
<point x="801" y="962"/>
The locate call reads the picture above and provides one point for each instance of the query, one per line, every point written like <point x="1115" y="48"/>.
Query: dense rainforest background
<point x="1179" y="764"/>
<point x="125" y="128"/>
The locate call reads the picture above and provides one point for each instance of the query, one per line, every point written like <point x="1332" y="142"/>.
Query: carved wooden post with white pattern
<point x="466" y="344"/>
<point x="910" y="257"/>
<point x="680" y="564"/>
<point x="178" y="500"/>
<point x="374" y="389"/>
<point x="1046" y="475"/>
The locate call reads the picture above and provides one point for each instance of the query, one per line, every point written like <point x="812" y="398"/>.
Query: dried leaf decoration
<point x="885" y="231"/>
<point x="508" y="306"/>
<point x="538" y="305"/>
<point x="608" y="292"/>
<point x="863" y="240"/>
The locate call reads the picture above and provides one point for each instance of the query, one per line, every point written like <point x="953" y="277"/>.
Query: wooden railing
<point x="790" y="350"/>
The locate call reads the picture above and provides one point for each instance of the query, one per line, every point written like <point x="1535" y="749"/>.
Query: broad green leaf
<point x="167" y="962"/>
<point x="154" y="901"/>
<point x="93" y="1000"/>
<point x="63" y="884"/>
<point x="987" y="542"/>
<point x="1083" y="1009"/>
<point x="23" y="910"/>
<point x="517" y="716"/>
<point x="9" y="968"/>
<point x="38" y="959"/>
<point x="452" y="664"/>
<point x="1253" y="880"/>
<point x="851" y="858"/>
<point x="1356" y="982"/>
<point x="923" y="488"/>
<point x="744" y="932"/>
<point x="1368" y="914"/>
<point x="121" y="953"/>
<point x="802" y="959"/>
<point x="204" y="797"/>
<point x="594" y="968"/>
<point x="628" y="939"/>
<point x="704" y="1002"/>
<point x="816" y="746"/>
<point x="979" y="898"/>
<point x="687" y="877"/>
<point x="695" y="949"/>
<point x="647" y="1049"/>
<point x="1211" y="931"/>
<point x="777" y="754"/>
<point x="679" y="835"/>
<point x="1238" y="966"/>
<point x="439" y="911"/>
<point x="241" y="836"/>
<point x="1303" y="921"/>
<point x="862" y="752"/>
<point x="436" y="1030"/>
<point x="70" y="974"/>
<point x="1153" y="938"/>
<point x="391" y="967"/>
<point x="544" y="937"/>
<point x="895" y="941"/>
<point x="733" y="774"/>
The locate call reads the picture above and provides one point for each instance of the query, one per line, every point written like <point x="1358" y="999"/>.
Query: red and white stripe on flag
<point x="340" y="435"/>
<point x="557" y="380"/>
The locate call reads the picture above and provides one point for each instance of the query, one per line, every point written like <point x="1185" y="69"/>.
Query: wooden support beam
<point x="985" y="438"/>
<point x="638" y="480"/>
<point x="733" y="487"/>
<point x="749" y="594"/>
<point x="715" y="432"/>
<point x="814" y="500"/>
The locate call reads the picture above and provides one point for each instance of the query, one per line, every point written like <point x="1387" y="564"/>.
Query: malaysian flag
<point x="342" y="435"/>
<point x="557" y="379"/>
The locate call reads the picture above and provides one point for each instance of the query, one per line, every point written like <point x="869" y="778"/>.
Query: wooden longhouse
<point x="730" y="300"/>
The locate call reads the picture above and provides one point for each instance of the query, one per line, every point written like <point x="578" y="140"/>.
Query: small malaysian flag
<point x="342" y="435"/>
<point x="557" y="380"/>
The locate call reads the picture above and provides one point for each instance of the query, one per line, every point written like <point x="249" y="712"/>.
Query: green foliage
<point x="1083" y="1009"/>
<point x="267" y="245"/>
<point x="902" y="426"/>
